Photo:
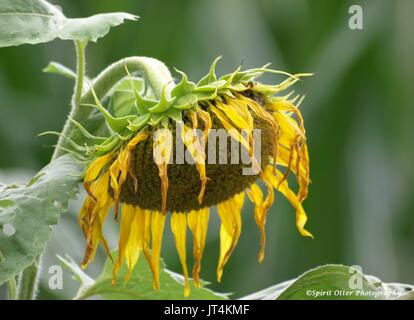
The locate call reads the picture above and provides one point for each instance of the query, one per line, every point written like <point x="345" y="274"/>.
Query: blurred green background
<point x="358" y="114"/>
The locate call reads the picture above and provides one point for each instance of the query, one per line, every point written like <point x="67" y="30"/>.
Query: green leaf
<point x="37" y="21"/>
<point x="92" y="28"/>
<point x="139" y="286"/>
<point x="27" y="212"/>
<point x="57" y="68"/>
<point x="327" y="279"/>
<point x="335" y="282"/>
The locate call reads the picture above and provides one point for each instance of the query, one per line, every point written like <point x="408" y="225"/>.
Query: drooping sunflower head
<point x="196" y="146"/>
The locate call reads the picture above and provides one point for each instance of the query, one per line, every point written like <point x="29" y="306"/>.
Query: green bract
<point x="133" y="106"/>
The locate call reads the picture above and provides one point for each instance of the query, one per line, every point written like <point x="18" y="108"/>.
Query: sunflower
<point x="133" y="169"/>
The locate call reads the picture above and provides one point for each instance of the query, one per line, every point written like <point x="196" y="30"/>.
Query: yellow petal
<point x="193" y="145"/>
<point x="283" y="188"/>
<point x="125" y="241"/>
<point x="142" y="136"/>
<point x="114" y="171"/>
<point x="230" y="230"/>
<point x="234" y="133"/>
<point x="293" y="151"/>
<point x="137" y="139"/>
<point x="133" y="248"/>
<point x="145" y="232"/>
<point x="93" y="215"/>
<point x="285" y="106"/>
<point x="96" y="237"/>
<point x="96" y="167"/>
<point x="138" y="240"/>
<point x="292" y="79"/>
<point x="208" y="124"/>
<point x="157" y="230"/>
<point x="288" y="127"/>
<point x="119" y="170"/>
<point x="162" y="152"/>
<point x="234" y="116"/>
<point x="255" y="195"/>
<point x="198" y="224"/>
<point x="260" y="211"/>
<point x="262" y="113"/>
<point x="194" y="118"/>
<point x="94" y="170"/>
<point x="241" y="108"/>
<point x="179" y="229"/>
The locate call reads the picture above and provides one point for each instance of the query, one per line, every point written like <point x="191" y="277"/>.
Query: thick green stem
<point x="155" y="73"/>
<point x="28" y="281"/>
<point x="76" y="98"/>
<point x="80" y="72"/>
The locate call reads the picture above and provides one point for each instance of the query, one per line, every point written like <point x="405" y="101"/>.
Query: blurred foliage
<point x="358" y="114"/>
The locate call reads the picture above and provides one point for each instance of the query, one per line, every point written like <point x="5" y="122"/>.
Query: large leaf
<point x="37" y="21"/>
<point x="27" y="212"/>
<point x="139" y="286"/>
<point x="332" y="282"/>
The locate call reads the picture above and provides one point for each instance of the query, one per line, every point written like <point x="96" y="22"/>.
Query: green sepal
<point x="122" y="104"/>
<point x="73" y="144"/>
<point x="186" y="102"/>
<point x="78" y="157"/>
<point x="144" y="104"/>
<point x="216" y="85"/>
<point x="156" y="118"/>
<point x="251" y="74"/>
<point x="127" y="135"/>
<point x="270" y="90"/>
<point x="124" y="96"/>
<point x="175" y="114"/>
<point x="230" y="78"/>
<point x="229" y="93"/>
<point x="164" y="123"/>
<point x="211" y="76"/>
<point x="184" y="87"/>
<point x="238" y="87"/>
<point x="116" y="124"/>
<point x="108" y="145"/>
<point x="139" y="122"/>
<point x="94" y="139"/>
<point x="165" y="102"/>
